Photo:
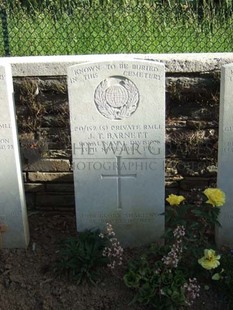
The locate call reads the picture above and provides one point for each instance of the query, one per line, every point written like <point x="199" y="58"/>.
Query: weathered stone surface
<point x="175" y="123"/>
<point x="212" y="170"/>
<point x="60" y="188"/>
<point x="34" y="187"/>
<point x="57" y="65"/>
<point x="54" y="200"/>
<point x="188" y="184"/>
<point x="191" y="144"/>
<point x="171" y="183"/>
<point x="24" y="177"/>
<point x="199" y="125"/>
<point x="54" y="85"/>
<point x="50" y="177"/>
<point x="191" y="85"/>
<point x="196" y="168"/>
<point x="48" y="165"/>
<point x="31" y="200"/>
<point x="171" y="169"/>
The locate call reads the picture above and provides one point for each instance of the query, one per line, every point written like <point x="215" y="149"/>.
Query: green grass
<point x="149" y="27"/>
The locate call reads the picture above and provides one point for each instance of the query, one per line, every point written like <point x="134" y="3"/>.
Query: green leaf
<point x="216" y="276"/>
<point x="81" y="256"/>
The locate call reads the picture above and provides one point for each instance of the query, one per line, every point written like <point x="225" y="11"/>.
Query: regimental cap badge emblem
<point x="116" y="98"/>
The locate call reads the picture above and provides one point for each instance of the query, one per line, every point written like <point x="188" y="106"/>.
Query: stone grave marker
<point x="224" y="234"/>
<point x="117" y="113"/>
<point x="13" y="217"/>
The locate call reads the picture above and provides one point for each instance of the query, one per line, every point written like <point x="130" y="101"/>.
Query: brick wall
<point x="192" y="103"/>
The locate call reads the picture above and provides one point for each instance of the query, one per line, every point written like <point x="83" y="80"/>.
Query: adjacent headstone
<point x="13" y="217"/>
<point x="117" y="112"/>
<point x="224" y="234"/>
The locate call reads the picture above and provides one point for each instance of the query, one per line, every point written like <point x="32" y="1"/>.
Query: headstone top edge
<point x="6" y="69"/>
<point x="227" y="66"/>
<point x="226" y="71"/>
<point x="133" y="60"/>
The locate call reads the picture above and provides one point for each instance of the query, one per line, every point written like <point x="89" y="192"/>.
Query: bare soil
<point x="28" y="280"/>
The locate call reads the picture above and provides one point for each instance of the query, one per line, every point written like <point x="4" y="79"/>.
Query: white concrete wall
<point x="57" y="65"/>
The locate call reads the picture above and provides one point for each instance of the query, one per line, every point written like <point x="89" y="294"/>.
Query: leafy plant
<point x="219" y="274"/>
<point x="81" y="257"/>
<point x="157" y="280"/>
<point x="164" y="277"/>
<point x="198" y="219"/>
<point x="224" y="283"/>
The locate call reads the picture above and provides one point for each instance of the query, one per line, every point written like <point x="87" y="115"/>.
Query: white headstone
<point x="12" y="202"/>
<point x="224" y="234"/>
<point x="117" y="112"/>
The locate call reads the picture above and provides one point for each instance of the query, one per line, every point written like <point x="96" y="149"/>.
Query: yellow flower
<point x="215" y="196"/>
<point x="210" y="260"/>
<point x="175" y="200"/>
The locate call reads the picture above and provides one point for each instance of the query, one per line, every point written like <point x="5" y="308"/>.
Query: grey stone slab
<point x="117" y="113"/>
<point x="224" y="234"/>
<point x="57" y="65"/>
<point x="12" y="200"/>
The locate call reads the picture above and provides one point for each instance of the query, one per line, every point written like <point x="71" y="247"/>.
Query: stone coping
<point x="57" y="65"/>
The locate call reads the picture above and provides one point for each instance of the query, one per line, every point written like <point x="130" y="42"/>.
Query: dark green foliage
<point x="199" y="222"/>
<point x="154" y="285"/>
<point x="81" y="257"/>
<point x="224" y="287"/>
<point x="165" y="277"/>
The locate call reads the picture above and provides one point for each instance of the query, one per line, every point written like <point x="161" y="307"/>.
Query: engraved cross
<point x="118" y="176"/>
